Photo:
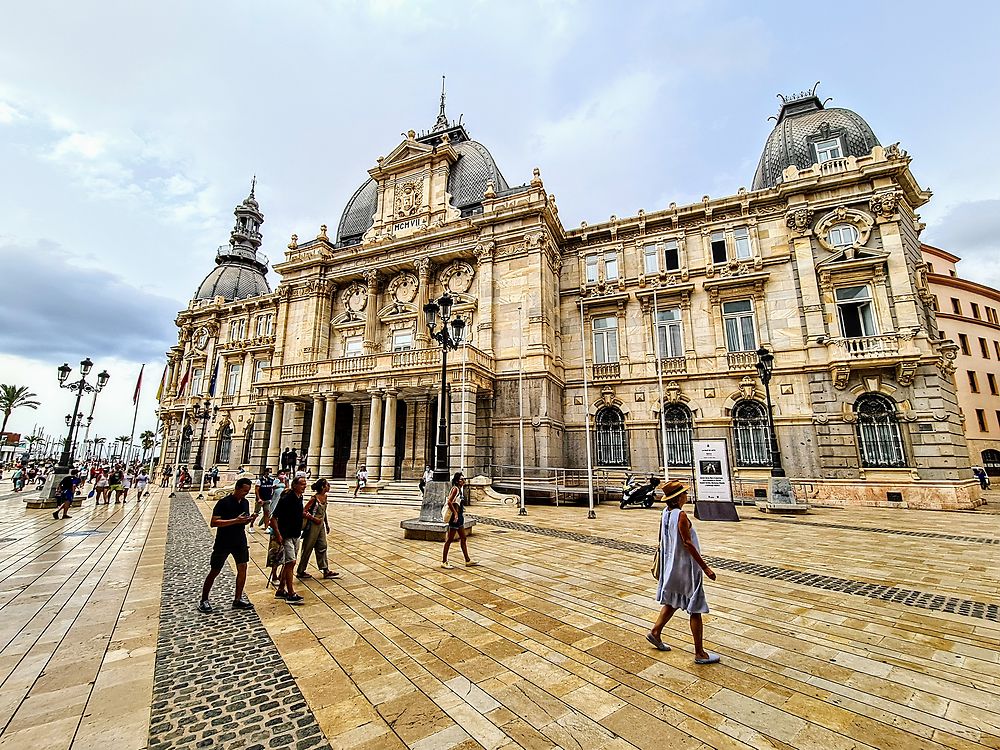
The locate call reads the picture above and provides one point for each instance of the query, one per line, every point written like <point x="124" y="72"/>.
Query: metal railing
<point x="552" y="480"/>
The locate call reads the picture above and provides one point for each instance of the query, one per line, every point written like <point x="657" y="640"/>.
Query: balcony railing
<point x="229" y="399"/>
<point x="864" y="347"/>
<point x="302" y="370"/>
<point x="385" y="362"/>
<point x="606" y="371"/>
<point x="350" y="365"/>
<point x="741" y="360"/>
<point x="673" y="365"/>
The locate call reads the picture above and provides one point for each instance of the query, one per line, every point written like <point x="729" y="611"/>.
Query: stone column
<point x="463" y="426"/>
<point x="258" y="445"/>
<point x="274" y="439"/>
<point x="484" y="258"/>
<point x="373" y="453"/>
<point x="316" y="433"/>
<point x="371" y="315"/>
<point x="329" y="428"/>
<point x="421" y="337"/>
<point x="389" y="436"/>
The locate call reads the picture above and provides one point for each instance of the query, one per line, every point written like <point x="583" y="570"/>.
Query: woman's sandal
<point x="657" y="643"/>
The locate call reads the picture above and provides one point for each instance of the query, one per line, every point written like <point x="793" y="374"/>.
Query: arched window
<point x="225" y="445"/>
<point x="612" y="440"/>
<point x="991" y="461"/>
<point x="879" y="438"/>
<point x="677" y="425"/>
<point x="247" y="444"/>
<point x="185" y="454"/>
<point x="750" y="434"/>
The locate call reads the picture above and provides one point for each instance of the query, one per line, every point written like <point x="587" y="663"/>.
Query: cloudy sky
<point x="129" y="131"/>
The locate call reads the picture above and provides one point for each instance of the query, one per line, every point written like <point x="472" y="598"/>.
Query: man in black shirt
<point x="66" y="487"/>
<point x="230" y="516"/>
<point x="286" y="525"/>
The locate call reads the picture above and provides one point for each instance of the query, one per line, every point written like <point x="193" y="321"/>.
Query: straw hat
<point x="673" y="489"/>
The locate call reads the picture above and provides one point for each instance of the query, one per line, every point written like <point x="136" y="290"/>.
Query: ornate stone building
<point x="820" y="261"/>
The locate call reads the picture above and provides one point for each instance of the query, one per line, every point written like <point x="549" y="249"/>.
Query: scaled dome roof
<point x="233" y="281"/>
<point x="467" y="182"/>
<point x="802" y="122"/>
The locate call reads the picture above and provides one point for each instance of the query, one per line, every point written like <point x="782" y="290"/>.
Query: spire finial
<point x="253" y="186"/>
<point x="442" y="119"/>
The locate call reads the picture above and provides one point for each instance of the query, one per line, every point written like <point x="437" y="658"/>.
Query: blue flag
<point x="215" y="378"/>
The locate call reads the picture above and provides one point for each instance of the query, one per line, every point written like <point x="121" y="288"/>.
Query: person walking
<point x="230" y="516"/>
<point x="101" y="488"/>
<point x="141" y="482"/>
<point x="284" y="458"/>
<point x="455" y="518"/>
<point x="681" y="570"/>
<point x="66" y="491"/>
<point x="286" y="526"/>
<point x="264" y="492"/>
<point x="427" y="476"/>
<point x="362" y="480"/>
<point x="115" y="483"/>
<point x="214" y="476"/>
<point x="316" y="528"/>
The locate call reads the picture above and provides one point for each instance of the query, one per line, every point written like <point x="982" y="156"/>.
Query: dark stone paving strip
<point x="909" y="597"/>
<point x="220" y="681"/>
<point x="897" y="532"/>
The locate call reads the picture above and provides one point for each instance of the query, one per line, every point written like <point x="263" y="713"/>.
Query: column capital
<point x="278" y="399"/>
<point x="390" y="392"/>
<point x="375" y="392"/>
<point x="331" y="397"/>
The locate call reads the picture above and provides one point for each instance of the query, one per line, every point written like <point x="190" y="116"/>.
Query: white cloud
<point x="79" y="145"/>
<point x="8" y="114"/>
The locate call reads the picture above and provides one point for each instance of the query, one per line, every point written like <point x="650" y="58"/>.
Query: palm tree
<point x="32" y="439"/>
<point x="147" y="440"/>
<point x="123" y="439"/>
<point x="13" y="396"/>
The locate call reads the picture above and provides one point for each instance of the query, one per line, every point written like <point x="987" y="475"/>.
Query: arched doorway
<point x="880" y="441"/>
<point x="751" y="438"/>
<point x="247" y="444"/>
<point x="342" y="440"/>
<point x="677" y="426"/>
<point x="185" y="452"/>
<point x="611" y="437"/>
<point x="224" y="448"/>
<point x="991" y="461"/>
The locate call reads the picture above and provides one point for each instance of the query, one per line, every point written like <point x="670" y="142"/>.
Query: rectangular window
<point x="611" y="265"/>
<point x="963" y="341"/>
<point x="930" y="268"/>
<point x="719" y="247"/>
<point x="651" y="260"/>
<point x="258" y="369"/>
<point x="973" y="381"/>
<point x="828" y="149"/>
<point x="233" y="379"/>
<point x="992" y="380"/>
<point x="197" y="375"/>
<point x="741" y="240"/>
<point x="991" y="314"/>
<point x="975" y="311"/>
<point x="934" y="303"/>
<point x="264" y="324"/>
<point x="353" y="346"/>
<point x="668" y="333"/>
<point x="605" y="340"/>
<point x="984" y="348"/>
<point x="402" y="340"/>
<point x="856" y="313"/>
<point x="996" y="348"/>
<point x="956" y="306"/>
<point x="672" y="255"/>
<point x="998" y="416"/>
<point x="741" y="330"/>
<point x="981" y="418"/>
<point x="591" y="269"/>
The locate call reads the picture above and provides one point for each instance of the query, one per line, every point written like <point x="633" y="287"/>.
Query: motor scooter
<point x="636" y="492"/>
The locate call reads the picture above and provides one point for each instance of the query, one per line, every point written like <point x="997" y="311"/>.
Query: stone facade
<point x="823" y="267"/>
<point x="968" y="315"/>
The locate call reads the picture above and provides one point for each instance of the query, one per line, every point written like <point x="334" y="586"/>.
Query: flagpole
<point x="135" y="412"/>
<point x="586" y="417"/>
<point x="659" y="377"/>
<point x="522" y="511"/>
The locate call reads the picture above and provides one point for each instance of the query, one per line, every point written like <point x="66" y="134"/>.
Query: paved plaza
<point x="840" y="629"/>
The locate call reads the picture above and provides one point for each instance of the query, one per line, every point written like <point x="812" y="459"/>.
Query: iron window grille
<point x="678" y="429"/>
<point x="225" y="446"/>
<point x="611" y="437"/>
<point x="750" y="434"/>
<point x="186" y="436"/>
<point x="879" y="438"/>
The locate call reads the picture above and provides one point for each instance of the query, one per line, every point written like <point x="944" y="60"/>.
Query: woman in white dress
<point x="680" y="573"/>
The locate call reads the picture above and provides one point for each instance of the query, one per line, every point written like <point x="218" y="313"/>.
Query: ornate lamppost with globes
<point x="450" y="337"/>
<point x="81" y="386"/>
<point x="779" y="488"/>
<point x="449" y="332"/>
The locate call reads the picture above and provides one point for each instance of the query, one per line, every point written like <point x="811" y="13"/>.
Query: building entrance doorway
<point x="342" y="440"/>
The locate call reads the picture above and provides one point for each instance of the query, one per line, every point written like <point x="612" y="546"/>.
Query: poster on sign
<point x="713" y="485"/>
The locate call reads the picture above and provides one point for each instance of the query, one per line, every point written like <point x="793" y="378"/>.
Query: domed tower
<point x="240" y="270"/>
<point x="808" y="133"/>
<point x="468" y="178"/>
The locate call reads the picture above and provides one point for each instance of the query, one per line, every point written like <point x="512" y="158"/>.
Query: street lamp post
<point x="204" y="412"/>
<point x="450" y="337"/>
<point x="765" y="366"/>
<point x="81" y="386"/>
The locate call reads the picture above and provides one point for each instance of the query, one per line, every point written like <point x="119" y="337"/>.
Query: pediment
<point x="405" y="153"/>
<point x="852" y="258"/>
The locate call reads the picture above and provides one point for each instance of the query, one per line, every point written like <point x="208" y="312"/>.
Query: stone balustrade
<point x="864" y="347"/>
